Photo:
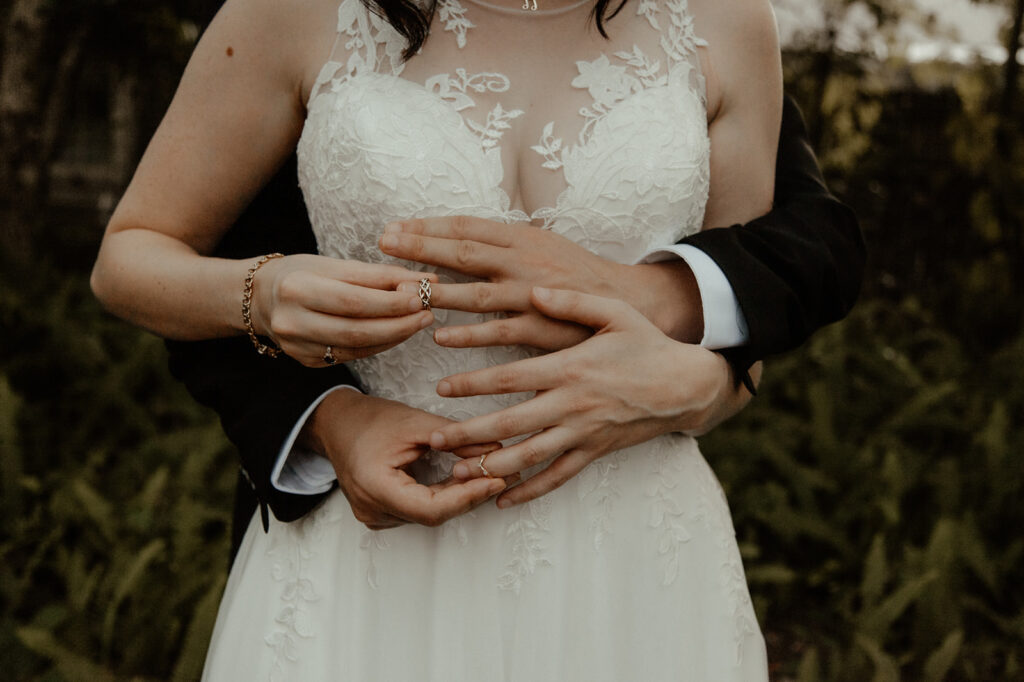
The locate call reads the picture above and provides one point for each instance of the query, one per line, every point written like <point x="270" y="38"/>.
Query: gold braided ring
<point x="425" y="293"/>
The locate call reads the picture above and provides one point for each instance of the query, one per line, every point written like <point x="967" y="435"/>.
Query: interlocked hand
<point x="626" y="384"/>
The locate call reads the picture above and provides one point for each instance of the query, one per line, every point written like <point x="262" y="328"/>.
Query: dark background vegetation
<point x="876" y="483"/>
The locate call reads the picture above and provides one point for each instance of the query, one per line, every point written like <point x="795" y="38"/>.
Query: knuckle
<point x="357" y="338"/>
<point x="459" y="224"/>
<point x="482" y="295"/>
<point x="412" y="245"/>
<point x="573" y="373"/>
<point x="508" y="423"/>
<point x="579" y="403"/>
<point x="290" y="287"/>
<point x="465" y="252"/>
<point x="532" y="455"/>
<point x="505" y="333"/>
<point x="454" y="436"/>
<point x="506" y="380"/>
<point x="351" y="305"/>
<point x="282" y="326"/>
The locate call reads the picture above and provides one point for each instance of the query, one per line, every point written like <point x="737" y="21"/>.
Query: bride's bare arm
<point x="743" y="70"/>
<point x="236" y="116"/>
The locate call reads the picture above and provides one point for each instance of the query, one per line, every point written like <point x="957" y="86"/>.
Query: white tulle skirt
<point x="629" y="572"/>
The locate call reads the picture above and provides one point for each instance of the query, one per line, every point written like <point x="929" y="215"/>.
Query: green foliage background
<point x="876" y="483"/>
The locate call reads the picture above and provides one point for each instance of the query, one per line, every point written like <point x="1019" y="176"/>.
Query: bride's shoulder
<point x="284" y="26"/>
<point x="745" y="26"/>
<point x="285" y="40"/>
<point x="743" y="44"/>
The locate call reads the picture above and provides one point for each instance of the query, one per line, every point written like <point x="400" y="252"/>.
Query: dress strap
<point x="679" y="39"/>
<point x="365" y="43"/>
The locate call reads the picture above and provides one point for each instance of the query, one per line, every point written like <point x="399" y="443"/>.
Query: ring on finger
<point x="424" y="293"/>
<point x="329" y="357"/>
<point x="482" y="467"/>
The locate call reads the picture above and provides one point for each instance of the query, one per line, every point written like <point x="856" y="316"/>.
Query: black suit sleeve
<point x="259" y="399"/>
<point x="797" y="268"/>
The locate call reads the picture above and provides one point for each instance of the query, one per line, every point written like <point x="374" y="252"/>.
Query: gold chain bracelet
<point x="261" y="348"/>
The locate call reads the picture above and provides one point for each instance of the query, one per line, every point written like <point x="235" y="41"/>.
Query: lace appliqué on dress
<point x="527" y="546"/>
<point x="594" y="485"/>
<point x="713" y="512"/>
<point x="454" y="90"/>
<point x="290" y="555"/>
<point x="453" y="14"/>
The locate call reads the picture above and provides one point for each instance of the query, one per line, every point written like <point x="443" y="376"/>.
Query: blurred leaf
<point x="127" y="585"/>
<point x="809" y="669"/>
<point x="941" y="661"/>
<point x="197" y="639"/>
<point x="876" y="620"/>
<point x="98" y="509"/>
<point x="71" y="666"/>
<point x="876" y="573"/>
<point x="886" y="669"/>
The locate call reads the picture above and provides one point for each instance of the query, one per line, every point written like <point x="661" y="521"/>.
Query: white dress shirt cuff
<point x="724" y="323"/>
<point x="302" y="472"/>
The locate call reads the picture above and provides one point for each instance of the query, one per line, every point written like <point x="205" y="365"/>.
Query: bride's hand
<point x="626" y="384"/>
<point x="512" y="259"/>
<point x="305" y="303"/>
<point x="371" y="441"/>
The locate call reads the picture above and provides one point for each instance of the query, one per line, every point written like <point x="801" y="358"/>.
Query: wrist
<point x="262" y="292"/>
<point x="666" y="293"/>
<point x="338" y="413"/>
<point x="701" y="383"/>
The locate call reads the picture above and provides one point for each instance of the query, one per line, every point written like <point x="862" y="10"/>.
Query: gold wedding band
<point x="425" y="293"/>
<point x="329" y="357"/>
<point x="482" y="467"/>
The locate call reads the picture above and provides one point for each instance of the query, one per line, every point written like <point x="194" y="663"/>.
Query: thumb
<point x="593" y="311"/>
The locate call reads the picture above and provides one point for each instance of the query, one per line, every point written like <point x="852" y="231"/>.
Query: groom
<point x="778" y="279"/>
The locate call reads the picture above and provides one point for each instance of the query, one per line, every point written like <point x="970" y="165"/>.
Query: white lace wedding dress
<point x="631" y="570"/>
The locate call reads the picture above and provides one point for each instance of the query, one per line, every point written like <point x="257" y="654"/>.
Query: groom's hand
<point x="624" y="385"/>
<point x="512" y="259"/>
<point x="370" y="441"/>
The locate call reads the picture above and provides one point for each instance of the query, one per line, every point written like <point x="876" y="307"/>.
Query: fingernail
<point x="462" y="471"/>
<point x="497" y="485"/>
<point x="542" y="293"/>
<point x="444" y="388"/>
<point x="437" y="441"/>
<point x="415" y="304"/>
<point x="406" y="286"/>
<point x="389" y="241"/>
<point x="393" y="227"/>
<point x="428" y="319"/>
<point x="504" y="503"/>
<point x="441" y="336"/>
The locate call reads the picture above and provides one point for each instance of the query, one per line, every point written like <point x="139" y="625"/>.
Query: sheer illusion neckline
<point x="522" y="11"/>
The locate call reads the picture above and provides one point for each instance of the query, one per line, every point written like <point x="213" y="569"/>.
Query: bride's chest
<point x="584" y="137"/>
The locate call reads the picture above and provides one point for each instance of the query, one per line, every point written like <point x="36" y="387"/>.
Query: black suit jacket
<point x="793" y="271"/>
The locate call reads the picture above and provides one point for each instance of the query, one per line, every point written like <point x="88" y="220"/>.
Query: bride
<point x="618" y="129"/>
